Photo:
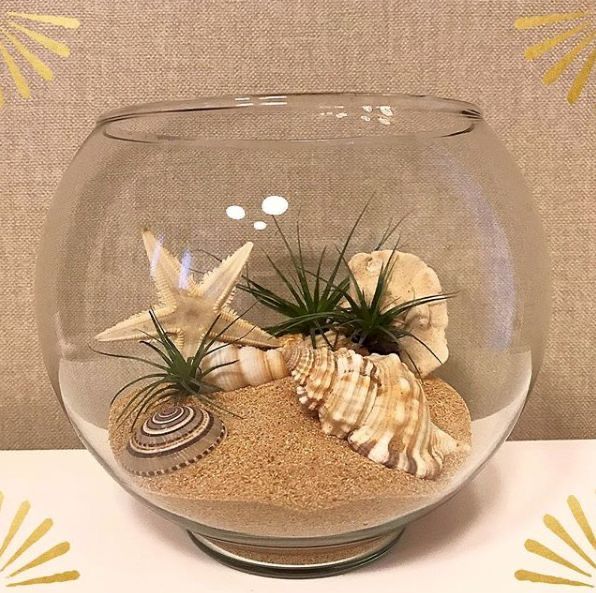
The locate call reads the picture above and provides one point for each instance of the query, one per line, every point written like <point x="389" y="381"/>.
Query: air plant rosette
<point x="329" y="416"/>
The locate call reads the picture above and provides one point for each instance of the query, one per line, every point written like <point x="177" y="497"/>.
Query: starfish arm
<point x="183" y="344"/>
<point x="166" y="271"/>
<point x="217" y="286"/>
<point x="242" y="332"/>
<point x="188" y="342"/>
<point x="138" y="326"/>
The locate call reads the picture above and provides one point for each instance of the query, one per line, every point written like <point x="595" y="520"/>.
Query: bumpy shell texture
<point x="375" y="402"/>
<point x="410" y="279"/>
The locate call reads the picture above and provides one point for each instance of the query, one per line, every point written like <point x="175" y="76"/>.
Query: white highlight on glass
<point x="274" y="205"/>
<point x="185" y="265"/>
<point x="235" y="212"/>
<point x="260" y="225"/>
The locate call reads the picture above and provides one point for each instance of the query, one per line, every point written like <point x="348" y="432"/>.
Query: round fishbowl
<point x="293" y="323"/>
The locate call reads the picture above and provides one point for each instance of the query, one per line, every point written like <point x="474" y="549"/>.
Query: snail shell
<point x="246" y="365"/>
<point x="174" y="436"/>
<point x="375" y="402"/>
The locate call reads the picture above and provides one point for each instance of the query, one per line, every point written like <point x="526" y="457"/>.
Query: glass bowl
<point x="159" y="194"/>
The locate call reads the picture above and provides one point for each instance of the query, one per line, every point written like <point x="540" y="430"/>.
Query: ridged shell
<point x="337" y="384"/>
<point x="375" y="402"/>
<point x="173" y="437"/>
<point x="398" y="432"/>
<point x="410" y="278"/>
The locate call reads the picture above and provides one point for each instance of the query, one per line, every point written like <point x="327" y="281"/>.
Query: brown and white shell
<point x="375" y="402"/>
<point x="174" y="436"/>
<point x="246" y="365"/>
<point x="410" y="278"/>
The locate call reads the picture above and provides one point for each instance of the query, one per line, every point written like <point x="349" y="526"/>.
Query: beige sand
<point x="276" y="473"/>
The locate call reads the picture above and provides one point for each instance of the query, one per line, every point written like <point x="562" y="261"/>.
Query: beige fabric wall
<point x="133" y="51"/>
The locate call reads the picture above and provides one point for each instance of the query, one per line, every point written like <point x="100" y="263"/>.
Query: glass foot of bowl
<point x="299" y="562"/>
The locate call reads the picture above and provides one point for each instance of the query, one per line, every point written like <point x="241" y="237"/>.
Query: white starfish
<point x="186" y="309"/>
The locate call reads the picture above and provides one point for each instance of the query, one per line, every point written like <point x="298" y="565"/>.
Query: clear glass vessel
<point x="196" y="173"/>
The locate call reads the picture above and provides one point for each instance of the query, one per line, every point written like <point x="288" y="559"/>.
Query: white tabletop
<point x="474" y="543"/>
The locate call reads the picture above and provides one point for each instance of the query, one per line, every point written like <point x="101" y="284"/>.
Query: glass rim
<point x="405" y="101"/>
<point x="446" y="117"/>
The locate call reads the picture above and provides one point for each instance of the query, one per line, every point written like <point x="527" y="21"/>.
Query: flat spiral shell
<point x="173" y="437"/>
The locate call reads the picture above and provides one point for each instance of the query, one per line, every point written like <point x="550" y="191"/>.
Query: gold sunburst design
<point x="573" y="40"/>
<point x="21" y="39"/>
<point x="583" y="576"/>
<point x="13" y="571"/>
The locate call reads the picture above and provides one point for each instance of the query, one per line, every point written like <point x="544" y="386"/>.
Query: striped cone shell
<point x="174" y="436"/>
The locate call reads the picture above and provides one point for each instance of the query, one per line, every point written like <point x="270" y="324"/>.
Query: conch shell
<point x="410" y="278"/>
<point x="375" y="402"/>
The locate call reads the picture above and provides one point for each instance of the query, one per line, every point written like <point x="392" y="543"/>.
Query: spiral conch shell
<point x="375" y="402"/>
<point x="410" y="278"/>
<point x="246" y="365"/>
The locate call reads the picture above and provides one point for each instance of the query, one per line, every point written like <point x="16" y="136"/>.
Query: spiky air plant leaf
<point x="309" y="298"/>
<point x="315" y="303"/>
<point x="173" y="377"/>
<point x="312" y="300"/>
<point x="373" y="323"/>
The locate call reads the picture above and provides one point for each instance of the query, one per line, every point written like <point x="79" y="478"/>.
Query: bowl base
<point x="299" y="562"/>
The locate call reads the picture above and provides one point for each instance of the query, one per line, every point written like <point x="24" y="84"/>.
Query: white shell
<point x="245" y="366"/>
<point x="410" y="279"/>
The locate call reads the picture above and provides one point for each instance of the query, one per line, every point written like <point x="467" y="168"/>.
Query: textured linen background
<point x="132" y="51"/>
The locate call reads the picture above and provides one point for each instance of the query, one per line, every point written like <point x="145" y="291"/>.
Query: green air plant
<point x="371" y="322"/>
<point x="310" y="297"/>
<point x="174" y="377"/>
<point x="313" y="300"/>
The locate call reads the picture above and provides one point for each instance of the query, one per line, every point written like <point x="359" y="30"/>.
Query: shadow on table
<point x="172" y="535"/>
<point x="443" y="526"/>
